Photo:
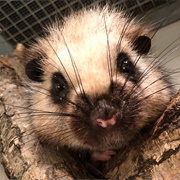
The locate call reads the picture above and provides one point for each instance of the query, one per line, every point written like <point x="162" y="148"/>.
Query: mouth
<point x="102" y="155"/>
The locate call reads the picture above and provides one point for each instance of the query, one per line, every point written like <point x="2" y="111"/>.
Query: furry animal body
<point x="96" y="84"/>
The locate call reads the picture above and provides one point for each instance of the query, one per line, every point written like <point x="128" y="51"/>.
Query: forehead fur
<point x="87" y="44"/>
<point x="82" y="48"/>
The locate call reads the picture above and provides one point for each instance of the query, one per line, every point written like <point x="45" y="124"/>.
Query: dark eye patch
<point x="126" y="67"/>
<point x="59" y="88"/>
<point x="34" y="70"/>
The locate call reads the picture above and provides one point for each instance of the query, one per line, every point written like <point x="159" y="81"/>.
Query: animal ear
<point x="142" y="44"/>
<point x="34" y="70"/>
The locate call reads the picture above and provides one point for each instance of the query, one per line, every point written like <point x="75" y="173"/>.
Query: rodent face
<point x="97" y="87"/>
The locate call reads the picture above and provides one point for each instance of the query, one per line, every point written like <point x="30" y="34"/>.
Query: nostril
<point x="106" y="123"/>
<point x="104" y="114"/>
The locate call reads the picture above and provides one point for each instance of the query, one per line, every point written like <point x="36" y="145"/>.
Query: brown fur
<point x="83" y="38"/>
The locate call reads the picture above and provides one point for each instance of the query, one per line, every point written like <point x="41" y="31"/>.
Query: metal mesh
<point x="22" y="21"/>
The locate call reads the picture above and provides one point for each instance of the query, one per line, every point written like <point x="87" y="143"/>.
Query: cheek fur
<point x="98" y="63"/>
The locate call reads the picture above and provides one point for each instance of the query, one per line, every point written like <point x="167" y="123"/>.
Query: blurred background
<point x="23" y="21"/>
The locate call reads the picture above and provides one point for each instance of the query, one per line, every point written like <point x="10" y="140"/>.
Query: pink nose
<point x="106" y="123"/>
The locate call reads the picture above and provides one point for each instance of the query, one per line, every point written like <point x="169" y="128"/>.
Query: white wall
<point x="164" y="37"/>
<point x="4" y="46"/>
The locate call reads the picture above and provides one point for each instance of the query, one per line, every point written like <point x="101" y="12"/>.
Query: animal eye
<point x="59" y="87"/>
<point x="124" y="65"/>
<point x="58" y="84"/>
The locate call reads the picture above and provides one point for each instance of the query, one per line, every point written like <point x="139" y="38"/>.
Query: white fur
<point x="84" y="42"/>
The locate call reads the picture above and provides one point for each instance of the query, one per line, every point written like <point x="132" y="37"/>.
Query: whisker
<point x="63" y="66"/>
<point x="150" y="70"/>
<point x="109" y="61"/>
<point x="170" y="45"/>
<point x="78" y="78"/>
<point x="150" y="95"/>
<point x="158" y="79"/>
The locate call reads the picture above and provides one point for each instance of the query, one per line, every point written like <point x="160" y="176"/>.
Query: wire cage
<point x="22" y="21"/>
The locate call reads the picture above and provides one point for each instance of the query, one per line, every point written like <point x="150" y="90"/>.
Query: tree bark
<point x="24" y="157"/>
<point x="158" y="157"/>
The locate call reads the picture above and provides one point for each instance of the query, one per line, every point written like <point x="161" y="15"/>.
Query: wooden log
<point x="156" y="156"/>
